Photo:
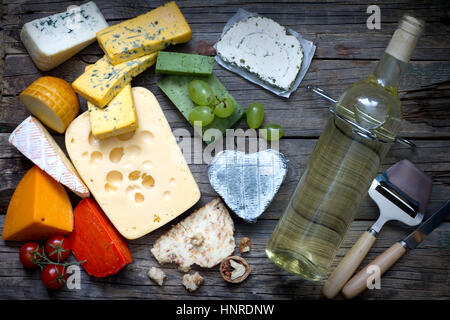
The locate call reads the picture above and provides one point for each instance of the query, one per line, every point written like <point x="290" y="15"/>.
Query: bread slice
<point x="205" y="238"/>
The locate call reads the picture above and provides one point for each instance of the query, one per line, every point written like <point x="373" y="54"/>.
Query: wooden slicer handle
<point x="348" y="265"/>
<point x="358" y="283"/>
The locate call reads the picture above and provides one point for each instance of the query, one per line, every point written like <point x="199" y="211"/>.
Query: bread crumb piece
<point x="192" y="281"/>
<point x="157" y="275"/>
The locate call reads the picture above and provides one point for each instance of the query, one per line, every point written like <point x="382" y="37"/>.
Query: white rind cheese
<point x="140" y="179"/>
<point x="54" y="39"/>
<point x="34" y="141"/>
<point x="263" y="47"/>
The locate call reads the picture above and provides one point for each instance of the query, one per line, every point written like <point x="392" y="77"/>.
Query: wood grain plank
<point x="431" y="156"/>
<point x="303" y="114"/>
<point x="420" y="274"/>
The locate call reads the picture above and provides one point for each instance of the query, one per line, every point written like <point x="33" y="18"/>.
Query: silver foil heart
<point x="247" y="182"/>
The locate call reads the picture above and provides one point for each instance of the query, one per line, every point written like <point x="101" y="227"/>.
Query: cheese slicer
<point x="401" y="193"/>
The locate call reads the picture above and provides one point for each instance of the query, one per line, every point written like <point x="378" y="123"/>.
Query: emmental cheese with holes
<point x="140" y="179"/>
<point x="39" y="208"/>
<point x="145" y="34"/>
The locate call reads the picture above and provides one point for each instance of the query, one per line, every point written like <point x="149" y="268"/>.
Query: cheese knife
<point x="358" y="283"/>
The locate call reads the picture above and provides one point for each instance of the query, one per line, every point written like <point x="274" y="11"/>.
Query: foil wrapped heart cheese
<point x="247" y="182"/>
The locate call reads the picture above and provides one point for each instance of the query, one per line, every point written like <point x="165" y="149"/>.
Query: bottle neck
<point x="388" y="72"/>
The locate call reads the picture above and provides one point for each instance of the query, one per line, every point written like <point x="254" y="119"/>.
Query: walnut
<point x="234" y="269"/>
<point x="192" y="281"/>
<point x="245" y="245"/>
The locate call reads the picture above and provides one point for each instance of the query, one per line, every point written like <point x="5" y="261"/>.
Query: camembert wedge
<point x="140" y="179"/>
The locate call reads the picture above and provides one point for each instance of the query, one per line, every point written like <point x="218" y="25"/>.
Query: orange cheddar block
<point x="39" y="208"/>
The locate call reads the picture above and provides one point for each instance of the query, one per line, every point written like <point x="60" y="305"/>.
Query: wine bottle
<point x="343" y="164"/>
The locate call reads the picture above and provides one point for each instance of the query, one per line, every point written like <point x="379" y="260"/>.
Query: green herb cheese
<point x="184" y="64"/>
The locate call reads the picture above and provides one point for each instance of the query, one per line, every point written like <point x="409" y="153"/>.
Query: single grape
<point x="272" y="132"/>
<point x="224" y="108"/>
<point x="200" y="92"/>
<point x="204" y="114"/>
<point x="255" y="115"/>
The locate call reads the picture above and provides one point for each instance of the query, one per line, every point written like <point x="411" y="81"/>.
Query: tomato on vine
<point x="58" y="248"/>
<point x="54" y="276"/>
<point x="30" y="254"/>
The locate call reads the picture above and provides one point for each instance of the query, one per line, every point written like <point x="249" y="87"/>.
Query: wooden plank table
<point x="346" y="52"/>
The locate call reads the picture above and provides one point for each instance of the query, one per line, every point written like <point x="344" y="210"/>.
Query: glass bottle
<point x="343" y="164"/>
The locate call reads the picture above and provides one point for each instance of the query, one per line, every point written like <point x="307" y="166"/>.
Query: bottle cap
<point x="412" y="25"/>
<point x="404" y="40"/>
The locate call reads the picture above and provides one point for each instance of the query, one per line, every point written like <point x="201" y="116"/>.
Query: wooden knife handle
<point x="358" y="283"/>
<point x="348" y="265"/>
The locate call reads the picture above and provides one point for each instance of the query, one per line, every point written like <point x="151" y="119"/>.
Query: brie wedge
<point x="264" y="48"/>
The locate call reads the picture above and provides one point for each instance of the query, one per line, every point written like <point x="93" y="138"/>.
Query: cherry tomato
<point x="58" y="248"/>
<point x="54" y="276"/>
<point x="27" y="254"/>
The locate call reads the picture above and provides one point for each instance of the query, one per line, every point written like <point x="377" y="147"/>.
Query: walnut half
<point x="234" y="269"/>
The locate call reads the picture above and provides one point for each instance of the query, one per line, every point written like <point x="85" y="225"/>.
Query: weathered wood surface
<point x="346" y="52"/>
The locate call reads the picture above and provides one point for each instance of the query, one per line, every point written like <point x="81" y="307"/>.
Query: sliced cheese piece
<point x="53" y="101"/>
<point x="34" y="141"/>
<point x="140" y="179"/>
<point x="39" y="208"/>
<point x="100" y="83"/>
<point x="116" y="118"/>
<point x="205" y="238"/>
<point x="145" y="34"/>
<point x="52" y="40"/>
<point x="264" y="48"/>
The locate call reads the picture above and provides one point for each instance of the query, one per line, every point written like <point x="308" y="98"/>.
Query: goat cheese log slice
<point x="52" y="40"/>
<point x="204" y="238"/>
<point x="140" y="179"/>
<point x="264" y="48"/>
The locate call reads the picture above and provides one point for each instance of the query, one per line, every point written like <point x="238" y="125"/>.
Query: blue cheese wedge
<point x="264" y="48"/>
<point x="54" y="39"/>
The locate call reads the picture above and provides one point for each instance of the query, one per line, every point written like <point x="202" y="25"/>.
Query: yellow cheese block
<point x="140" y="179"/>
<point x="116" y="118"/>
<point x="39" y="208"/>
<point x="100" y="83"/>
<point x="51" y="100"/>
<point x="145" y="34"/>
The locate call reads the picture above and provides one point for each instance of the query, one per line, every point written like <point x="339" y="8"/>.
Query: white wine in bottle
<point x="343" y="164"/>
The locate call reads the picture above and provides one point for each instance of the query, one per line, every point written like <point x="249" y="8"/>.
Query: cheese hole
<point x="146" y="136"/>
<point x="147" y="164"/>
<point x="126" y="136"/>
<point x="134" y="175"/>
<point x="109" y="188"/>
<point x="116" y="155"/>
<point x="96" y="157"/>
<point x="148" y="181"/>
<point x="167" y="195"/>
<point x="72" y="140"/>
<point x="132" y="190"/>
<point x="139" y="197"/>
<point x="114" y="178"/>
<point x="43" y="219"/>
<point x="172" y="182"/>
<point x="85" y="154"/>
<point x="92" y="140"/>
<point x="132" y="152"/>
